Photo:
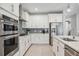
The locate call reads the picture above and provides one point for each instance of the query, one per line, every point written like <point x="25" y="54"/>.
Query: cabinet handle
<point x="57" y="48"/>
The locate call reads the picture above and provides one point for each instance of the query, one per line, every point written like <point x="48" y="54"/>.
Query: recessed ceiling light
<point x="36" y="9"/>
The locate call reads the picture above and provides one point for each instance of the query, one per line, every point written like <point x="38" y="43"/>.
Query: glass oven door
<point x="10" y="45"/>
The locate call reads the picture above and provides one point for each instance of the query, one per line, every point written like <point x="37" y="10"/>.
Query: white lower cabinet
<point x="55" y="46"/>
<point x="24" y="44"/>
<point x="58" y="48"/>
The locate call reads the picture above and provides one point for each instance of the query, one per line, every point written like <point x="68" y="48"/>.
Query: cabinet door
<point x="52" y="17"/>
<point x="55" y="44"/>
<point x="55" y="17"/>
<point x="26" y="16"/>
<point x="21" y="45"/>
<point x="23" y="14"/>
<point x="6" y="6"/>
<point x="16" y="9"/>
<point x="59" y="18"/>
<point x="60" y="48"/>
<point x="9" y="9"/>
<point x="24" y="24"/>
<point x="24" y="44"/>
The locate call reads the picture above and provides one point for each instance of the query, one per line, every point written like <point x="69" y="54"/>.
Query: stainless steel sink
<point x="68" y="39"/>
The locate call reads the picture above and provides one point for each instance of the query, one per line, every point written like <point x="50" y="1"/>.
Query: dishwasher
<point x="70" y="52"/>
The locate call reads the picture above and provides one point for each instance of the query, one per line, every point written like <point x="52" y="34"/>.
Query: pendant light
<point x="68" y="8"/>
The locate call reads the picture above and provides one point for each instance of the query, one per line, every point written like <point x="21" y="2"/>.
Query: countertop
<point x="74" y="45"/>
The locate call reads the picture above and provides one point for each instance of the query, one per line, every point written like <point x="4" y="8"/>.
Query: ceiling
<point x="44" y="7"/>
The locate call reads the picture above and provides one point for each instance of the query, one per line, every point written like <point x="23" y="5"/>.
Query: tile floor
<point x="39" y="50"/>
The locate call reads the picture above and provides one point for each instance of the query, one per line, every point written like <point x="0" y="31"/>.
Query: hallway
<point x="39" y="50"/>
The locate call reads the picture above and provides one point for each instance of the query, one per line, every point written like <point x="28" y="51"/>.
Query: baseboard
<point x="39" y="43"/>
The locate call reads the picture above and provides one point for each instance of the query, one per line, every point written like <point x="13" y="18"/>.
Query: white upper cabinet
<point x="6" y="6"/>
<point x="25" y="15"/>
<point x="59" y="18"/>
<point x="16" y="9"/>
<point x="55" y="17"/>
<point x="38" y="21"/>
<point x="52" y="17"/>
<point x="10" y="9"/>
<point x="22" y="14"/>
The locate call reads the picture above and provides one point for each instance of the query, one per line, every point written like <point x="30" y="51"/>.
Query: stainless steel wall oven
<point x="10" y="44"/>
<point x="8" y="36"/>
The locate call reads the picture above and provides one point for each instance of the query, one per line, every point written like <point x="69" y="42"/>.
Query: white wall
<point x="74" y="11"/>
<point x="38" y="21"/>
<point x="77" y="23"/>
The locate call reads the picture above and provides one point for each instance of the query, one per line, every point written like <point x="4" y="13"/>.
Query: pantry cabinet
<point x="58" y="48"/>
<point x="22" y="44"/>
